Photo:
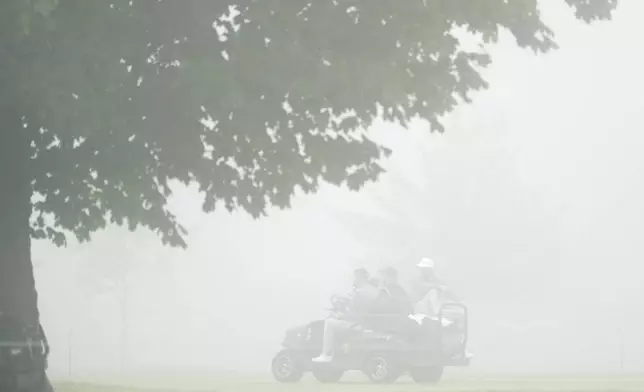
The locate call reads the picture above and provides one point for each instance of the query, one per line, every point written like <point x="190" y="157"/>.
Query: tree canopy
<point x="251" y="99"/>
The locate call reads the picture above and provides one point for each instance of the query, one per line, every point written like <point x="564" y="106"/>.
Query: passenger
<point x="394" y="298"/>
<point x="425" y="279"/>
<point x="363" y="296"/>
<point x="428" y="291"/>
<point x="391" y="311"/>
<point x="391" y="284"/>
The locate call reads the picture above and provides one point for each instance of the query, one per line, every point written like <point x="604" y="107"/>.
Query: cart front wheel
<point x="287" y="367"/>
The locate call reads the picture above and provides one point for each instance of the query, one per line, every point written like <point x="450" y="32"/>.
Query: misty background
<point x="530" y="203"/>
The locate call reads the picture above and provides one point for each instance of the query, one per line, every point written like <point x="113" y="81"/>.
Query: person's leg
<point x="331" y="327"/>
<point x="428" y="306"/>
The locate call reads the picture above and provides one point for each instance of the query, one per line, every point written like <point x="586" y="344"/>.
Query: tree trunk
<point x="18" y="298"/>
<point x="125" y="330"/>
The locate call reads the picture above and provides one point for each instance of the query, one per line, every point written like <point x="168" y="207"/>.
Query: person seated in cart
<point x="361" y="300"/>
<point x="380" y="308"/>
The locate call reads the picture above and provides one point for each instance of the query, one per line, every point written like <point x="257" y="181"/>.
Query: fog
<point x="530" y="204"/>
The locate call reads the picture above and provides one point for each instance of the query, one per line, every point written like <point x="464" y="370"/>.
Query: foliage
<point x="121" y="97"/>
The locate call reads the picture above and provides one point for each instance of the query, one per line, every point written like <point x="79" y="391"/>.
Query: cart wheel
<point x="426" y="375"/>
<point x="381" y="369"/>
<point x="287" y="367"/>
<point x="327" y="375"/>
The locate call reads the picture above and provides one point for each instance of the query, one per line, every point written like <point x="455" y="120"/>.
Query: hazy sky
<point x="530" y="203"/>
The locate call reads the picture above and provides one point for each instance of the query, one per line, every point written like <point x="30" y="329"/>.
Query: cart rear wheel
<point x="327" y="375"/>
<point x="426" y="375"/>
<point x="381" y="369"/>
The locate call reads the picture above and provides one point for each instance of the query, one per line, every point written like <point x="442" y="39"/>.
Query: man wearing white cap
<point x="426" y="263"/>
<point x="427" y="289"/>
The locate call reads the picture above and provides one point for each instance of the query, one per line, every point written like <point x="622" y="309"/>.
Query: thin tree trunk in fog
<point x="620" y="335"/>
<point x="70" y="352"/>
<point x="123" y="308"/>
<point x="18" y="298"/>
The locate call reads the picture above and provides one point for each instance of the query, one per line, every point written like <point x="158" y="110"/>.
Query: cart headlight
<point x="15" y="351"/>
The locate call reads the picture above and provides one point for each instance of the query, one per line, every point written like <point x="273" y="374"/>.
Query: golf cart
<point x="384" y="348"/>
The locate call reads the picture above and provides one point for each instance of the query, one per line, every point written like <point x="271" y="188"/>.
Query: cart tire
<point x="426" y="375"/>
<point x="381" y="368"/>
<point x="287" y="367"/>
<point x="327" y="375"/>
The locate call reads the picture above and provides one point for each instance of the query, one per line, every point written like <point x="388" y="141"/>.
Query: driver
<point x="361" y="298"/>
<point x="360" y="278"/>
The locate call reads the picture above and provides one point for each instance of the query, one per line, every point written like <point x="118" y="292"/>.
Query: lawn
<point x="357" y="384"/>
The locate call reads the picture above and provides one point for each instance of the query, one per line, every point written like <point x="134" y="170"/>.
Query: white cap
<point x="426" y="262"/>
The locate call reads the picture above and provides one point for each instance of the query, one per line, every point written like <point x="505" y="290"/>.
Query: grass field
<point x="355" y="383"/>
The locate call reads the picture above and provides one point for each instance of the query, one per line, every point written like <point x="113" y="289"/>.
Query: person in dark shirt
<point x="391" y="310"/>
<point x="393" y="298"/>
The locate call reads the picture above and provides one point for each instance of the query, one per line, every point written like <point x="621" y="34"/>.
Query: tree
<point x="104" y="103"/>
